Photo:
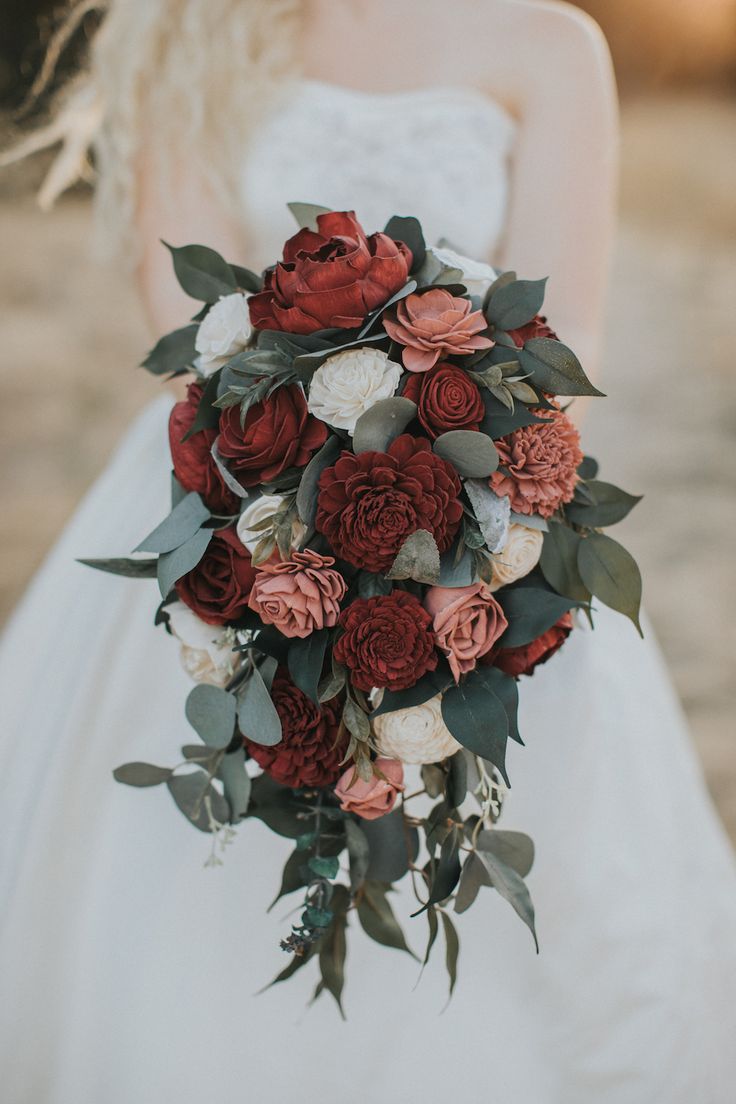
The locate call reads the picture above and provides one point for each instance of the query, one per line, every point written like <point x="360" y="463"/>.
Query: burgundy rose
<point x="523" y="660"/>
<point x="279" y="433"/>
<point x="446" y="399"/>
<point x="332" y="277"/>
<point x="310" y="752"/>
<point x="192" y="459"/>
<point x="536" y="328"/>
<point x="370" y="503"/>
<point x="387" y="642"/>
<point x="217" y="588"/>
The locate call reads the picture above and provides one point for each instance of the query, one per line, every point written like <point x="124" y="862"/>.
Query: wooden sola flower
<point x="376" y="422"/>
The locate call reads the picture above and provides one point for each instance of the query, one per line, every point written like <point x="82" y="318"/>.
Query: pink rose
<point x="467" y="622"/>
<point x="373" y="799"/>
<point x="434" y="324"/>
<point x="300" y="595"/>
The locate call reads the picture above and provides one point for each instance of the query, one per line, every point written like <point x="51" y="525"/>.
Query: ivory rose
<point x="375" y="798"/>
<point x="206" y="651"/>
<point x="299" y="596"/>
<point x="467" y="622"/>
<point x="260" y="509"/>
<point x="518" y="556"/>
<point x="415" y="735"/>
<point x="223" y="332"/>
<point x="349" y="383"/>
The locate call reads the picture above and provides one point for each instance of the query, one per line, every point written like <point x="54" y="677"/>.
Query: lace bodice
<point x="439" y="153"/>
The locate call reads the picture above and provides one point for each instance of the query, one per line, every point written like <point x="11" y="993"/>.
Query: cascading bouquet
<point x="381" y="519"/>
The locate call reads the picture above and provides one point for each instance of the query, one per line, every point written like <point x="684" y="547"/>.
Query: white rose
<point x="223" y="332"/>
<point x="518" y="556"/>
<point x="349" y="383"/>
<point x="415" y="735"/>
<point x="260" y="509"/>
<point x="477" y="275"/>
<point x="206" y="651"/>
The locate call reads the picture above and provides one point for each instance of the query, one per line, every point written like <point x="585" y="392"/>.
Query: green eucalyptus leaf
<point x="418" y="559"/>
<point x="193" y="793"/>
<point x="382" y="423"/>
<point x="477" y="718"/>
<point x="305" y="214"/>
<point x="473" y="876"/>
<point x="409" y="231"/>
<point x="258" y="719"/>
<point x="610" y="505"/>
<point x="452" y="949"/>
<point x="393" y="845"/>
<point x="588" y="468"/>
<point x="554" y="367"/>
<point x="473" y="455"/>
<point x="245" y="279"/>
<point x="207" y="416"/>
<point x="333" y="948"/>
<point x="530" y="611"/>
<point x="431" y="915"/>
<point x="359" y="854"/>
<point x="324" y="867"/>
<point x="611" y="574"/>
<point x="516" y="849"/>
<point x="371" y="585"/>
<point x="515" y="303"/>
<point x="130" y="568"/>
<point x="211" y="713"/>
<point x="173" y="565"/>
<point x="428" y="686"/>
<point x="306" y="496"/>
<point x="377" y="918"/>
<point x="182" y="523"/>
<point x="236" y="783"/>
<point x="141" y="774"/>
<point x="305" y="661"/>
<point x="172" y="353"/>
<point x="511" y="887"/>
<point x="202" y="272"/>
<point x="559" y="562"/>
<point x="457" y="779"/>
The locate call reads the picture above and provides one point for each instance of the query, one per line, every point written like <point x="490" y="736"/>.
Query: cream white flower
<point x="206" y="650"/>
<point x="415" y="735"/>
<point x="477" y="275"/>
<point x="260" y="509"/>
<point x="349" y="383"/>
<point x="223" y="332"/>
<point x="518" y="556"/>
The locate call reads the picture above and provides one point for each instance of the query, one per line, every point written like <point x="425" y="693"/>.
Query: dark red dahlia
<point x="387" y="642"/>
<point x="334" y="276"/>
<point x="309" y="753"/>
<point x="370" y="503"/>
<point x="278" y="433"/>
<point x="192" y="459"/>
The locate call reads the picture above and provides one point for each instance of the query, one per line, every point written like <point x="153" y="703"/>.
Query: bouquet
<point x="381" y="522"/>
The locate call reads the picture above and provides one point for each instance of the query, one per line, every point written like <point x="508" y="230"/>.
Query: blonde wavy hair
<point x="184" y="80"/>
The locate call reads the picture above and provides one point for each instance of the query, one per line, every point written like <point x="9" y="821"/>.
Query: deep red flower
<point x="446" y="399"/>
<point x="523" y="660"/>
<point x="279" y="433"/>
<point x="192" y="459"/>
<point x="309" y="753"/>
<point x="334" y="276"/>
<point x="538" y="464"/>
<point x="536" y="328"/>
<point x="388" y="641"/>
<point x="370" y="503"/>
<point x="217" y="588"/>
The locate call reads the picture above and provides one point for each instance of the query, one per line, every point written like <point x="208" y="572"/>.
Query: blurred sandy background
<point x="72" y="334"/>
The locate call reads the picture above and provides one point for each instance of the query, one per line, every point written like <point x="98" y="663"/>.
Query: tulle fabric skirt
<point x="128" y="972"/>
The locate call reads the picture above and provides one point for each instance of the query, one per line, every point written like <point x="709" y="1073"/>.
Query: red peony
<point x="217" y="588"/>
<point x="333" y="277"/>
<point x="192" y="459"/>
<point x="446" y="399"/>
<point x="538" y="465"/>
<point x="523" y="660"/>
<point x="370" y="503"/>
<point x="310" y="753"/>
<point x="387" y="642"/>
<point x="279" y="433"/>
<point x="536" y="328"/>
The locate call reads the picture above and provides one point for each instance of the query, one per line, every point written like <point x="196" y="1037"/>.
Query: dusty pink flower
<point x="431" y="324"/>
<point x="373" y="799"/>
<point x="300" y="595"/>
<point x="467" y="622"/>
<point x="539" y="465"/>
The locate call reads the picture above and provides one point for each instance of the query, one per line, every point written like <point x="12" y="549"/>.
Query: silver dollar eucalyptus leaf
<point x="491" y="512"/>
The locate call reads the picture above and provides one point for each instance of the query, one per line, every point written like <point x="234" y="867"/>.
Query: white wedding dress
<point x="128" y="972"/>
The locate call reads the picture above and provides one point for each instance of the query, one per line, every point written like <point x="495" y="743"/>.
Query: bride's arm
<point x="565" y="168"/>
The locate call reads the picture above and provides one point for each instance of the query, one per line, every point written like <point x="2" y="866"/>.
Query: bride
<point x="129" y="973"/>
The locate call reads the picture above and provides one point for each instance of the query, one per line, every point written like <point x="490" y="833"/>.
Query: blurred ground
<point x="72" y="333"/>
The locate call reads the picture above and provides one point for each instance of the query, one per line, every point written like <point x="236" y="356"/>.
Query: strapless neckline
<point x="444" y="93"/>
